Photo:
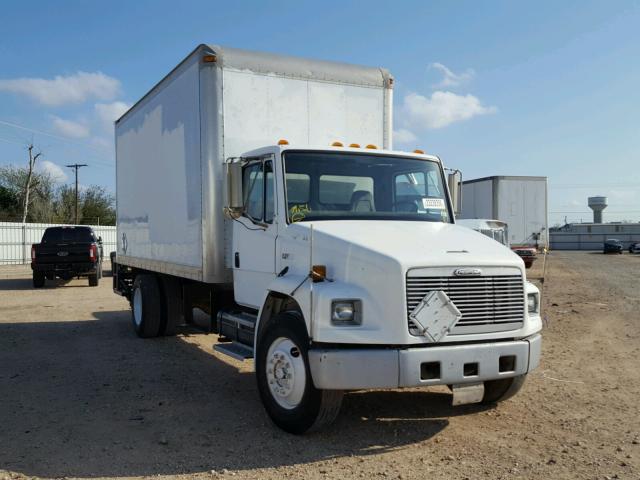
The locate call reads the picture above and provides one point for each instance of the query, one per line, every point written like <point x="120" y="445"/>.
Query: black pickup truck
<point x="67" y="252"/>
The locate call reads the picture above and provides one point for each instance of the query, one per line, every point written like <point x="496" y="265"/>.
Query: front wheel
<point x="284" y="378"/>
<point x="500" y="390"/>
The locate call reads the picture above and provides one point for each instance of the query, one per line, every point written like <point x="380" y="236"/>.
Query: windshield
<point x="353" y="186"/>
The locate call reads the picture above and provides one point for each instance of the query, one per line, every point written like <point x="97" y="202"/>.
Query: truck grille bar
<point x="489" y="303"/>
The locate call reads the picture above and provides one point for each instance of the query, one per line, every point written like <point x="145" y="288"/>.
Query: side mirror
<point x="99" y="239"/>
<point x="234" y="203"/>
<point x="454" y="181"/>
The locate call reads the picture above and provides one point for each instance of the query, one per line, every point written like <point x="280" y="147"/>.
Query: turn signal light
<point x="209" y="59"/>
<point x="371" y="146"/>
<point x="283" y="142"/>
<point x="318" y="273"/>
<point x="337" y="144"/>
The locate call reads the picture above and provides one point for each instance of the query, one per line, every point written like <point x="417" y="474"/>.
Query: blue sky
<point x="493" y="88"/>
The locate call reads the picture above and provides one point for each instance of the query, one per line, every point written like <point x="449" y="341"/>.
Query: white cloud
<point x="441" y="109"/>
<point x="69" y="128"/>
<point x="108" y="113"/>
<point x="450" y="79"/>
<point x="56" y="172"/>
<point x="61" y="90"/>
<point x="402" y="135"/>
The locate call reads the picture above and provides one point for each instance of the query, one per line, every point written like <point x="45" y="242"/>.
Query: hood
<point x="417" y="244"/>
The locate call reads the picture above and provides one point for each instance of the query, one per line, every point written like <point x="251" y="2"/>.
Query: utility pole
<point x="76" y="166"/>
<point x="27" y="186"/>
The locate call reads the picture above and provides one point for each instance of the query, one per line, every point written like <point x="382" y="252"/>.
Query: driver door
<point x="254" y="234"/>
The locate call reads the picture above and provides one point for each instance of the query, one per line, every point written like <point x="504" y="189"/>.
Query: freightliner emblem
<point x="467" y="272"/>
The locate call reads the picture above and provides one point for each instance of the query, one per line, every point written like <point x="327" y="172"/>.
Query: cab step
<point x="235" y="350"/>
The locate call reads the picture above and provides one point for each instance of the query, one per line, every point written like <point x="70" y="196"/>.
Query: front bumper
<point x="349" y="369"/>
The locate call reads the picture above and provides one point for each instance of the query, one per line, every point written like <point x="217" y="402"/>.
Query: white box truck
<point x="263" y="190"/>
<point x="520" y="201"/>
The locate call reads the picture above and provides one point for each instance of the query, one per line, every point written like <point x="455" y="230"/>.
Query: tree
<point x="98" y="206"/>
<point x="13" y="181"/>
<point x="27" y="183"/>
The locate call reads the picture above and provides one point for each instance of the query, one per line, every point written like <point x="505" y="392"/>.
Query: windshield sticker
<point x="433" y="203"/>
<point x="298" y="212"/>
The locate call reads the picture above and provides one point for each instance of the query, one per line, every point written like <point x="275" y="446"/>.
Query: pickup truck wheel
<point x="145" y="306"/>
<point x="500" y="390"/>
<point x="284" y="379"/>
<point x="38" y="279"/>
<point x="94" y="279"/>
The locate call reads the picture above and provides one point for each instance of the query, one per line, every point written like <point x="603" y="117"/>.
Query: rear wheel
<point x="145" y="306"/>
<point x="173" y="312"/>
<point x="94" y="279"/>
<point x="500" y="390"/>
<point x="284" y="379"/>
<point x="38" y="279"/>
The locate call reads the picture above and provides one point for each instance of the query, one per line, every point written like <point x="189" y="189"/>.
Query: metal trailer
<point x="519" y="201"/>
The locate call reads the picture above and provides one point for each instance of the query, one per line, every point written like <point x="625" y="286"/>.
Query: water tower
<point x="597" y="204"/>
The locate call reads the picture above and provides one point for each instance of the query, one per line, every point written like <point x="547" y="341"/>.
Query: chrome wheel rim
<point x="286" y="373"/>
<point x="137" y="306"/>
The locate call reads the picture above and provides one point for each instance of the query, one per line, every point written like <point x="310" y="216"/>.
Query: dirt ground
<point x="81" y="396"/>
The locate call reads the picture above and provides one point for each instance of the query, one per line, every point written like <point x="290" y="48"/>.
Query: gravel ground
<point x="81" y="396"/>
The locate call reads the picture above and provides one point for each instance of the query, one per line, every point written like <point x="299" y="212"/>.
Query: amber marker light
<point x="319" y="273"/>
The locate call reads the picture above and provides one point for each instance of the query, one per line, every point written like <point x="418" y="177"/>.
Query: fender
<point x="285" y="286"/>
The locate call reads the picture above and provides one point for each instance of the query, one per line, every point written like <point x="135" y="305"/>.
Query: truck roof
<point x="283" y="66"/>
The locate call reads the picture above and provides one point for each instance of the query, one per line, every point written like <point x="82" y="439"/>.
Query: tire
<point x="38" y="279"/>
<point x="145" y="306"/>
<point x="496" y="391"/>
<point x="172" y="308"/>
<point x="94" y="279"/>
<point x="297" y="406"/>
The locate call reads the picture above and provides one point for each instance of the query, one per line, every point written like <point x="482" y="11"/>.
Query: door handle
<point x="236" y="260"/>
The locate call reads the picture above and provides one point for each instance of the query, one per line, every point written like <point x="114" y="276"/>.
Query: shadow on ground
<point x="88" y="398"/>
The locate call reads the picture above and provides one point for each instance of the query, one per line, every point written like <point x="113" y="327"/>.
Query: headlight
<point x="533" y="302"/>
<point x="346" y="312"/>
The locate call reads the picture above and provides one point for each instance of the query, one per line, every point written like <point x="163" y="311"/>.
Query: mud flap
<point x="466" y="393"/>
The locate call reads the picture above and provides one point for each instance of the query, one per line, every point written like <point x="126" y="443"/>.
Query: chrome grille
<point x="487" y="303"/>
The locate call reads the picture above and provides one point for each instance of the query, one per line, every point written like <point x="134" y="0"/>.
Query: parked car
<point x="634" y="247"/>
<point x="527" y="254"/>
<point x="67" y="252"/>
<point x="612" y="246"/>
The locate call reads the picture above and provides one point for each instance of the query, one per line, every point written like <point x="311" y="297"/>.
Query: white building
<point x="591" y="236"/>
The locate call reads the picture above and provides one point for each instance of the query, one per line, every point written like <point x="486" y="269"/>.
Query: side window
<point x="410" y="185"/>
<point x="342" y="191"/>
<point x="258" y="188"/>
<point x="253" y="188"/>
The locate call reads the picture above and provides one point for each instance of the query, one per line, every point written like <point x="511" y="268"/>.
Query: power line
<point x="60" y="138"/>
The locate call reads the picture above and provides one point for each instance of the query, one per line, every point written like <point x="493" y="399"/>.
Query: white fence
<point x="16" y="240"/>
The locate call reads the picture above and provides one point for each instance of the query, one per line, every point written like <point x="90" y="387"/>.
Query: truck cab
<point x="354" y="240"/>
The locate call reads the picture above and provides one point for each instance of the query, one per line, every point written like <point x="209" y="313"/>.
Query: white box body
<point x="171" y="145"/>
<point x="521" y="202"/>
